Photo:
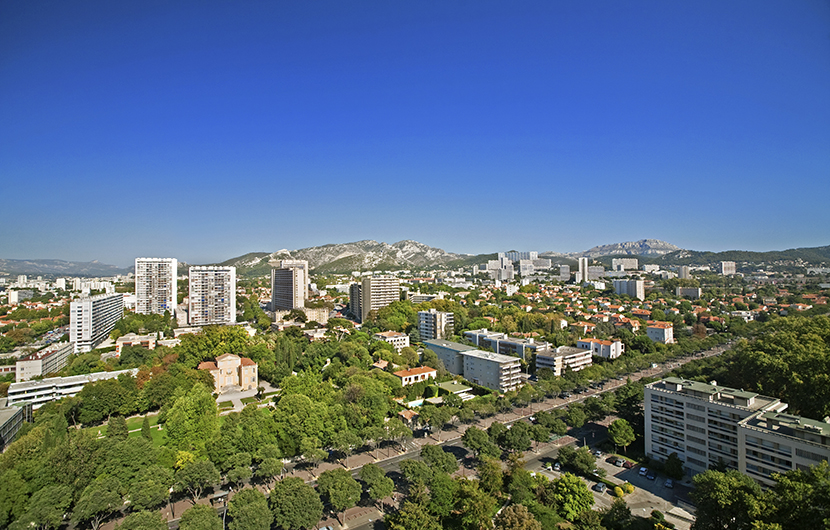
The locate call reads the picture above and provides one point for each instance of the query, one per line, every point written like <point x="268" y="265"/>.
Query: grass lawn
<point x="251" y="399"/>
<point x="136" y="422"/>
<point x="224" y="405"/>
<point x="156" y="434"/>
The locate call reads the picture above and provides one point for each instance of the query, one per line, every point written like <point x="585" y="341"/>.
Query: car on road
<point x="669" y="483"/>
<point x="643" y="471"/>
<point x="619" y="462"/>
<point x="651" y="475"/>
<point x="600" y="487"/>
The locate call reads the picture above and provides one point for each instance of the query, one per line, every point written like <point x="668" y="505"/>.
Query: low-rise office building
<point x="492" y="370"/>
<point x="564" y="358"/>
<point x="506" y="345"/>
<point x="42" y="391"/>
<point x="11" y="419"/>
<point x="131" y="339"/>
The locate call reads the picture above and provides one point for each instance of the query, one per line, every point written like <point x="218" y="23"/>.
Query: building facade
<point x="377" y="292"/>
<point x="623" y="264"/>
<point x="398" y="340"/>
<point x="434" y="324"/>
<point x="727" y="268"/>
<point x="156" y="288"/>
<point x="661" y="332"/>
<point x="38" y="392"/>
<point x="699" y="421"/>
<point x="232" y="372"/>
<point x="689" y="292"/>
<point x="416" y="375"/>
<point x="564" y="358"/>
<point x="131" y="339"/>
<point x="492" y="370"/>
<point x="289" y="285"/>
<point x="212" y="296"/>
<point x="606" y="349"/>
<point x="92" y="318"/>
<point x="49" y="360"/>
<point x="582" y="271"/>
<point x="633" y="288"/>
<point x="506" y="345"/>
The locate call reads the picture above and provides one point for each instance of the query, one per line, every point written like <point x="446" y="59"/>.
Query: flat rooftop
<point x="457" y="346"/>
<point x="790" y="425"/>
<point x="490" y="356"/>
<point x="713" y="392"/>
<point x="74" y="379"/>
<point x="453" y="387"/>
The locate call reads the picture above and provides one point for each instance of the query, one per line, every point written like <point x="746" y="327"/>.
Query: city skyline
<point x="191" y="130"/>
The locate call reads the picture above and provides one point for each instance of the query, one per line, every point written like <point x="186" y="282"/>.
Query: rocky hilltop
<point x="346" y="257"/>
<point x="643" y="247"/>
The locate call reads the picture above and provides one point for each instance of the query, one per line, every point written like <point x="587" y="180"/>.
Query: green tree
<point x="200" y="517"/>
<point x="478" y="441"/>
<point x="442" y="494"/>
<point x="195" y="477"/>
<point x="412" y="516"/>
<point x="475" y="506"/>
<point x="617" y="516"/>
<point x="269" y="469"/>
<point x="46" y="508"/>
<point x="539" y="434"/>
<point x="295" y="504"/>
<point x="490" y="475"/>
<point x="145" y="429"/>
<point x="341" y="490"/>
<point x="730" y="500"/>
<point x="144" y="521"/>
<point x="621" y="433"/>
<point x="576" y="416"/>
<point x="571" y="496"/>
<point x="438" y="459"/>
<point x="801" y="498"/>
<point x="193" y="420"/>
<point x="377" y="483"/>
<point x="416" y="472"/>
<point x="249" y="510"/>
<point x="516" y="517"/>
<point x="151" y="489"/>
<point x="98" y="501"/>
<point x="117" y="428"/>
<point x="673" y="467"/>
<point x="13" y="496"/>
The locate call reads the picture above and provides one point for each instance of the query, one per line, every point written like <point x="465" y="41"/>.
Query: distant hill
<point x="363" y="255"/>
<point x="643" y="247"/>
<point x="812" y="255"/>
<point x="56" y="267"/>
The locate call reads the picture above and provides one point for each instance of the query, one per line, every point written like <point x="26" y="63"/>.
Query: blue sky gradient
<point x="204" y="130"/>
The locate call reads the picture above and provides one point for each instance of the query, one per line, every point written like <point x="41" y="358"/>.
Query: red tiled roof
<point x="415" y="371"/>
<point x="206" y="365"/>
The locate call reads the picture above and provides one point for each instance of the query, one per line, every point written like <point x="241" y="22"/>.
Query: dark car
<point x="651" y="475"/>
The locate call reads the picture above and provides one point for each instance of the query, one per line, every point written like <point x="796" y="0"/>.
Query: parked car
<point x="651" y="475"/>
<point x="628" y="464"/>
<point x="600" y="487"/>
<point x="643" y="471"/>
<point x="597" y="453"/>
<point x="557" y="466"/>
<point x="619" y="462"/>
<point x="669" y="483"/>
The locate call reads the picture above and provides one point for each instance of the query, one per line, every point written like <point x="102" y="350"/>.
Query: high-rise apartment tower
<point x="155" y="285"/>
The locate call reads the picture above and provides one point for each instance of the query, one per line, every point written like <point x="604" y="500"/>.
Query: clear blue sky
<point x="204" y="130"/>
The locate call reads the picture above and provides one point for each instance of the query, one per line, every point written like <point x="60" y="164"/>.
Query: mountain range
<point x="369" y="255"/>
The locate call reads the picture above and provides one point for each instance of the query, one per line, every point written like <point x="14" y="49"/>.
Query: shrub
<point x="618" y="491"/>
<point x="629" y="488"/>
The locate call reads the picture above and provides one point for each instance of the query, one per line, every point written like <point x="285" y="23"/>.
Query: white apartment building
<point x="691" y="292"/>
<point x="434" y="324"/>
<point x="622" y="264"/>
<point x="212" y="296"/>
<point x="504" y="344"/>
<point x="564" y="358"/>
<point x="42" y="391"/>
<point x="377" y="292"/>
<point x="92" y="318"/>
<point x="699" y="421"/>
<point x="492" y="370"/>
<point x="661" y="332"/>
<point x="156" y="288"/>
<point x="398" y="340"/>
<point x="516" y="256"/>
<point x="582" y="272"/>
<point x="683" y="272"/>
<point x="49" y="360"/>
<point x="564" y="273"/>
<point x="289" y="285"/>
<point x="633" y="288"/>
<point x="774" y="442"/>
<point x="602" y="348"/>
<point x="651" y="268"/>
<point x="727" y="268"/>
